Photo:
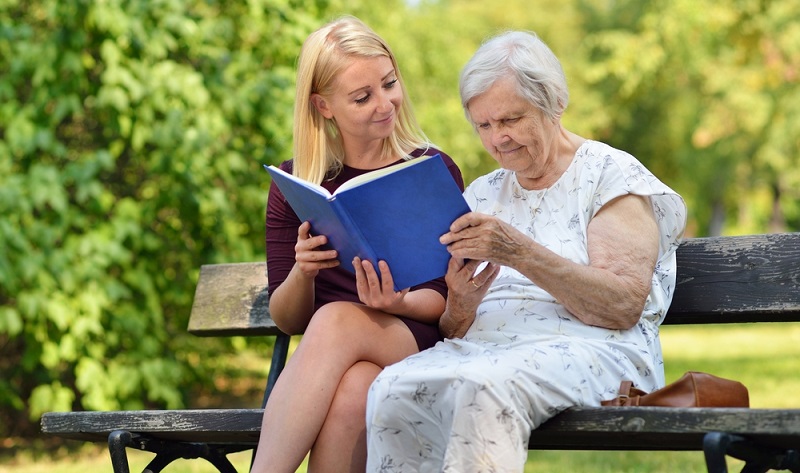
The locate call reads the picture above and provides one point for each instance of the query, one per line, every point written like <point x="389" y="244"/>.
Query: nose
<point x="384" y="103"/>
<point x="498" y="136"/>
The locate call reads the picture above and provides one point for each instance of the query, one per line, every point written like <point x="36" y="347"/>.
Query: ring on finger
<point x="474" y="284"/>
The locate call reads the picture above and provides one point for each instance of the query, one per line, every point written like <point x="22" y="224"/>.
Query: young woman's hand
<point x="308" y="255"/>
<point x="376" y="292"/>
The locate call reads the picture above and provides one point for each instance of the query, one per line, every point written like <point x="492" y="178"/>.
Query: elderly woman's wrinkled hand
<point x="468" y="280"/>
<point x="467" y="284"/>
<point x="481" y="237"/>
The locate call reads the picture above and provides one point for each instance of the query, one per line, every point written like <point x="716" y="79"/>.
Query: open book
<point x="395" y="214"/>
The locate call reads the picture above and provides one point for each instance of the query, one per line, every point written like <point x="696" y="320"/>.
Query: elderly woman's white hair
<point x="523" y="57"/>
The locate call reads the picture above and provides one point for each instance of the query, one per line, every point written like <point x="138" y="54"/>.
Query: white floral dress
<point x="469" y="404"/>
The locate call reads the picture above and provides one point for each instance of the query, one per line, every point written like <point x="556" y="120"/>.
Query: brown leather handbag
<point x="693" y="389"/>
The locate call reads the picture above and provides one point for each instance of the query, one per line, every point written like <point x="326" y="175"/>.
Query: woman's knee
<point x="336" y="319"/>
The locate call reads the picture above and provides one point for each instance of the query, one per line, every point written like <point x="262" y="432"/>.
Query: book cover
<point x="395" y="214"/>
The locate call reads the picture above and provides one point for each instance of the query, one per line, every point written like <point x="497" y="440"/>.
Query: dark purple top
<point x="336" y="284"/>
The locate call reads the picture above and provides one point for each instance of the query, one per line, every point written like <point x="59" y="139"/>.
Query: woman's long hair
<point x="318" y="146"/>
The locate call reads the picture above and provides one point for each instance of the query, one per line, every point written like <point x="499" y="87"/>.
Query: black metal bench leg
<point x="279" y="354"/>
<point x="757" y="458"/>
<point x="161" y="460"/>
<point x="715" y="448"/>
<point x="220" y="461"/>
<point x="118" y="441"/>
<point x="213" y="456"/>
<point x="167" y="452"/>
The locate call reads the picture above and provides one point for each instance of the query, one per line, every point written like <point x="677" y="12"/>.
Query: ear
<point x="321" y="105"/>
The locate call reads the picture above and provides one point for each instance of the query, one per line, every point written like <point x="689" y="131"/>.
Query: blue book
<point x="395" y="214"/>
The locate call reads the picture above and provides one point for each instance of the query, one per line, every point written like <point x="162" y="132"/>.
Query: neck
<point x="366" y="156"/>
<point x="565" y="145"/>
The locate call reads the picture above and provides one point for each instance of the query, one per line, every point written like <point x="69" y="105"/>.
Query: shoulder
<point x="609" y="173"/>
<point x="448" y="161"/>
<point x="287" y="165"/>
<point x="602" y="155"/>
<point x="432" y="151"/>
<point x="276" y="196"/>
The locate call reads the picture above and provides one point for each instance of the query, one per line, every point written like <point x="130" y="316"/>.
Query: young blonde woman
<point x="352" y="115"/>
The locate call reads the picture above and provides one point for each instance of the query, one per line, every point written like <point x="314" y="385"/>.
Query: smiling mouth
<point x="508" y="151"/>
<point x="387" y="119"/>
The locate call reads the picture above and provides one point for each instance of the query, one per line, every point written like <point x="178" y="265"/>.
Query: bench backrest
<point x="753" y="278"/>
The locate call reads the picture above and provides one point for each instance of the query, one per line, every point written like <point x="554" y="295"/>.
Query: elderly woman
<point x="558" y="281"/>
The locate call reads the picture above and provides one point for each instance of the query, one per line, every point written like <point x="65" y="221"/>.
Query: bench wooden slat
<point x="189" y="425"/>
<point x="660" y="428"/>
<point x="592" y="428"/>
<point x="752" y="278"/>
<point x="231" y="299"/>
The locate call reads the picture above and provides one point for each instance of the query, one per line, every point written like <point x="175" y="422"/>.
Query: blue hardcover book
<point x="395" y="214"/>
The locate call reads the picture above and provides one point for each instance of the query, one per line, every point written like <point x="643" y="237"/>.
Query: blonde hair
<point x="318" y="147"/>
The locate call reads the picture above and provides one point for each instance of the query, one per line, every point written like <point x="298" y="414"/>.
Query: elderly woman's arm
<point x="609" y="292"/>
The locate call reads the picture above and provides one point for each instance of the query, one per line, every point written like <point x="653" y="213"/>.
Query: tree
<point x="706" y="94"/>
<point x="132" y="135"/>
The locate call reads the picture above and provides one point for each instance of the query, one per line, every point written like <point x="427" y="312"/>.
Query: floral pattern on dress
<point x="469" y="404"/>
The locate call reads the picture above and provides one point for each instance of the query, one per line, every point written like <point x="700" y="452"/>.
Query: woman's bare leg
<point x="340" y="335"/>
<point x="341" y="445"/>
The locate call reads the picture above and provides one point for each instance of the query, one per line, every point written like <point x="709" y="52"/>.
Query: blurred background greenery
<point x="132" y="135"/>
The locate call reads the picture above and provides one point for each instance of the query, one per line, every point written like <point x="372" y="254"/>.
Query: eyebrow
<point x="509" y="115"/>
<point x="367" y="86"/>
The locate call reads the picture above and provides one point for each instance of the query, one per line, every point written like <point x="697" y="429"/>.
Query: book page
<point x="378" y="173"/>
<point x="301" y="182"/>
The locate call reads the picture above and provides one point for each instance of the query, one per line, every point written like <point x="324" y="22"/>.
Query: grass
<point x="765" y="357"/>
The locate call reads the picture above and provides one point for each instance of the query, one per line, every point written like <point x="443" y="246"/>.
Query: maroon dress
<point x="336" y="284"/>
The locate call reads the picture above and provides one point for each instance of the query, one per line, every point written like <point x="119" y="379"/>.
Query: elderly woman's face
<point x="515" y="132"/>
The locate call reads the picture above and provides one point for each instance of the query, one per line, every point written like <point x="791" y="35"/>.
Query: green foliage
<point x="704" y="93"/>
<point x="133" y="134"/>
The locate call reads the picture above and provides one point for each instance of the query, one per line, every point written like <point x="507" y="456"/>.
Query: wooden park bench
<point x="720" y="280"/>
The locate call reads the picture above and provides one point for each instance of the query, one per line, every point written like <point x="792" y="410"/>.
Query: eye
<point x="482" y="126"/>
<point x="390" y="84"/>
<point x="362" y="99"/>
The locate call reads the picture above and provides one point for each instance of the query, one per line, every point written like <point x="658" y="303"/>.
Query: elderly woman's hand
<point x="466" y="290"/>
<point x="477" y="236"/>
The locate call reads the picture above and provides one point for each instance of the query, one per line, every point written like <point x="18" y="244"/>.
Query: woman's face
<point x="364" y="101"/>
<point x="518" y="135"/>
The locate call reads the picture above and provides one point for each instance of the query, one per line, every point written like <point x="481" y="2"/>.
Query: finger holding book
<point x="378" y="292"/>
<point x="467" y="282"/>
<point x="309" y="256"/>
<point x="478" y="236"/>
